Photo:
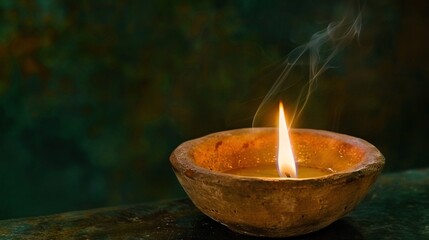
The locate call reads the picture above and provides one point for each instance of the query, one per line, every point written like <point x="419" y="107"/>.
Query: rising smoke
<point x="317" y="54"/>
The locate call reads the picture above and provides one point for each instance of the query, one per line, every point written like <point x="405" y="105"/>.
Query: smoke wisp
<point x="317" y="53"/>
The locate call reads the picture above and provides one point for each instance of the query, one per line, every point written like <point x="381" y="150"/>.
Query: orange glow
<point x="285" y="159"/>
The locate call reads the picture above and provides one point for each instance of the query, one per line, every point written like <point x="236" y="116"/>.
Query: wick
<point x="288" y="175"/>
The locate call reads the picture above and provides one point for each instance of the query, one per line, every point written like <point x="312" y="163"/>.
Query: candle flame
<point x="285" y="159"/>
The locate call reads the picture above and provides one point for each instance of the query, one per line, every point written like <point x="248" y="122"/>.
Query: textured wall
<point x="94" y="95"/>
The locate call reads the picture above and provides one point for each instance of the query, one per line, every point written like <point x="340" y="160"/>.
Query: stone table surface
<point x="397" y="207"/>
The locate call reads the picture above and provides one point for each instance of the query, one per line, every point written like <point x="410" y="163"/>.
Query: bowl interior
<point x="252" y="147"/>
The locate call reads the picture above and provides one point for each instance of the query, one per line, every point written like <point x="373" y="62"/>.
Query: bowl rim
<point x="373" y="161"/>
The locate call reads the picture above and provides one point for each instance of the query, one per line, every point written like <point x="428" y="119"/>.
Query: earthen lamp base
<point x="276" y="207"/>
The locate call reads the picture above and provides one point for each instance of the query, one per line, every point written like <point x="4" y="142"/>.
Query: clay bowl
<point x="275" y="207"/>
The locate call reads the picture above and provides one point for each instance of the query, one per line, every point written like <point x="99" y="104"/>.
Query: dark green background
<point x="94" y="95"/>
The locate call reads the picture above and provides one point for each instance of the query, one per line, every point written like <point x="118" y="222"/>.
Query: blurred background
<point x="94" y="95"/>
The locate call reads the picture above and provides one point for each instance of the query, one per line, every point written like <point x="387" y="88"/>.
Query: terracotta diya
<point x="269" y="206"/>
<point x="256" y="182"/>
